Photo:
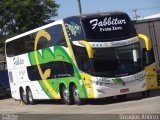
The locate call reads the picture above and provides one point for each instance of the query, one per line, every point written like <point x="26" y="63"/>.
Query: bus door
<point x="150" y="68"/>
<point x="149" y="63"/>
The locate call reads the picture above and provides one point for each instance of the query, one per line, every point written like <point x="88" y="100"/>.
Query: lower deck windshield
<point x="117" y="61"/>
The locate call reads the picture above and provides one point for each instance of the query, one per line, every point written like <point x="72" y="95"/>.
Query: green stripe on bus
<point x="58" y="54"/>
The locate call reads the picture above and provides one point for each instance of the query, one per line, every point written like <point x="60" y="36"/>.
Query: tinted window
<point x="42" y="43"/>
<point x="108" y="28"/>
<point x="58" y="69"/>
<point x="148" y="56"/>
<point x="26" y="44"/>
<point x="20" y="46"/>
<point x="57" y="36"/>
<point x="82" y="58"/>
<point x="117" y="61"/>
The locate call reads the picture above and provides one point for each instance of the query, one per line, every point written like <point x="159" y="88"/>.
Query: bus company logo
<point x="18" y="61"/>
<point x="119" y="43"/>
<point x="123" y="42"/>
<point x="74" y="28"/>
<point x="108" y="22"/>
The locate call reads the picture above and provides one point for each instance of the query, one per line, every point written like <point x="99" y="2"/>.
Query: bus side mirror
<point x="88" y="47"/>
<point x="147" y="41"/>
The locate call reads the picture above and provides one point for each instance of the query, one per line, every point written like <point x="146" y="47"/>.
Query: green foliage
<point x="18" y="16"/>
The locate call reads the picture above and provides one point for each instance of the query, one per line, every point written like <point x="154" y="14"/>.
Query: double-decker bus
<point x="80" y="57"/>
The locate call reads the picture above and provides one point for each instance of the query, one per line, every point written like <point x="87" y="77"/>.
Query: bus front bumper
<point x="101" y="91"/>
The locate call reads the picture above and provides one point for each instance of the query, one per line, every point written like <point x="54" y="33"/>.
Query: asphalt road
<point x="112" y="107"/>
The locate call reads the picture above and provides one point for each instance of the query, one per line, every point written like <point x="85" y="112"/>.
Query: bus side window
<point x="33" y="73"/>
<point x="148" y="57"/>
<point x="82" y="58"/>
<point x="15" y="48"/>
<point x="29" y="42"/>
<point x="20" y="46"/>
<point x="42" y="43"/>
<point x="57" y="36"/>
<point x="64" y="69"/>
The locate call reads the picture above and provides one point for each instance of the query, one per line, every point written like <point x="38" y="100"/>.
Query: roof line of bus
<point x="61" y="21"/>
<point x="97" y="14"/>
<point x="34" y="30"/>
<point x="102" y="13"/>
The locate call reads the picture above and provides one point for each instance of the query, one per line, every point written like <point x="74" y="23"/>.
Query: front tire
<point x="29" y="95"/>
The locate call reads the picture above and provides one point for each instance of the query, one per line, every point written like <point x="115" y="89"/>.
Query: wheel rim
<point x="75" y="94"/>
<point x="30" y="96"/>
<point x="65" y="94"/>
<point x="23" y="96"/>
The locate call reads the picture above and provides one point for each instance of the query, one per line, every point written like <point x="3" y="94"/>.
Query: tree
<point x="18" y="16"/>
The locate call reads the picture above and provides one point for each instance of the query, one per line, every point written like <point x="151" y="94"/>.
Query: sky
<point x="144" y="7"/>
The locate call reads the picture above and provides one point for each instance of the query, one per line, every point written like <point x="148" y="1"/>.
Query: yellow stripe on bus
<point x="69" y="45"/>
<point x="88" y="47"/>
<point x="88" y="84"/>
<point x="46" y="74"/>
<point x="151" y="77"/>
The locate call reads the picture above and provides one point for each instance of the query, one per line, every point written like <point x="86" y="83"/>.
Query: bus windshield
<point x="117" y="61"/>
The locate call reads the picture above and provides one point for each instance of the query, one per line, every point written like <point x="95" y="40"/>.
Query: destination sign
<point x="108" y="28"/>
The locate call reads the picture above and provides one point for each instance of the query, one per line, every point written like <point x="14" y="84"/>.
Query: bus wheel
<point x="66" y="98"/>
<point x="75" y="94"/>
<point x="29" y="95"/>
<point x="23" y="96"/>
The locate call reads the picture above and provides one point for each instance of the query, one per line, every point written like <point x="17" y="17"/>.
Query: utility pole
<point x="79" y="6"/>
<point x="136" y="15"/>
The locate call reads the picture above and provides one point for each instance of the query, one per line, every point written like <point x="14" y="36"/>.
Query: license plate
<point x="124" y="90"/>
